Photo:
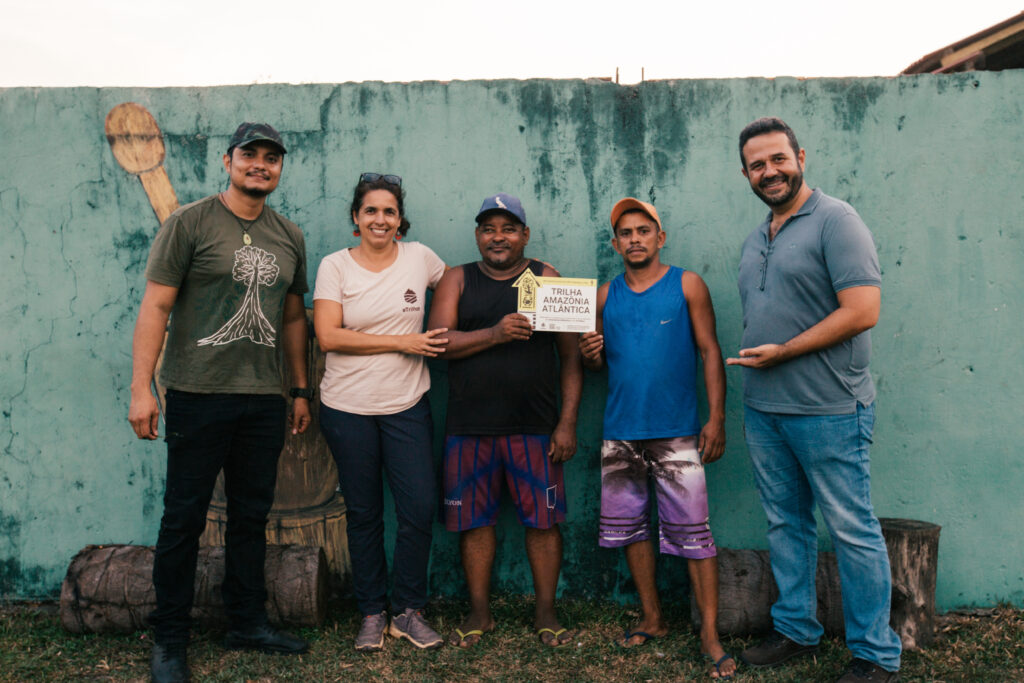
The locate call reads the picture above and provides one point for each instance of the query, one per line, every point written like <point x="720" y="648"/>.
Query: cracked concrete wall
<point x="929" y="162"/>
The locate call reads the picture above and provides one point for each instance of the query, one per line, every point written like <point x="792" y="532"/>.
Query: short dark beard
<point x="634" y="265"/>
<point x="254" y="192"/>
<point x="795" y="182"/>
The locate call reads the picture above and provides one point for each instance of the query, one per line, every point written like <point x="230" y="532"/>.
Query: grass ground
<point x="983" y="645"/>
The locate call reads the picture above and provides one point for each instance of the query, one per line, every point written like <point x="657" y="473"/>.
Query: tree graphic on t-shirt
<point x="254" y="267"/>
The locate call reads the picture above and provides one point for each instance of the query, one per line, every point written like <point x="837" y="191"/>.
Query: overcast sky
<point x="211" y="42"/>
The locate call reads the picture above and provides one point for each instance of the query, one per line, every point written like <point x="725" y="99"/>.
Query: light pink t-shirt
<point x="389" y="302"/>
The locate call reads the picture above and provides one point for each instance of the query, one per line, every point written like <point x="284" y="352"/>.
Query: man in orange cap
<point x="653" y="322"/>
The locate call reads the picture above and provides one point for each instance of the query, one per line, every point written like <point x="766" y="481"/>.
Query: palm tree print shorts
<point x="673" y="466"/>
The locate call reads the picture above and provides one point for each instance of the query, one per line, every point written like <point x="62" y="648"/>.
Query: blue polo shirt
<point x="788" y="285"/>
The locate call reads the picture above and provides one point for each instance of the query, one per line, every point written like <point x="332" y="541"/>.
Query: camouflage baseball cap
<point x="250" y="132"/>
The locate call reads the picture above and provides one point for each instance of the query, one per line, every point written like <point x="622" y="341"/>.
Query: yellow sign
<point x="558" y="304"/>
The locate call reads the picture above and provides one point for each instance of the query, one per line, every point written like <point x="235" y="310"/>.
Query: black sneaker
<point x="169" y="663"/>
<point x="265" y="638"/>
<point x="774" y="650"/>
<point x="863" y="671"/>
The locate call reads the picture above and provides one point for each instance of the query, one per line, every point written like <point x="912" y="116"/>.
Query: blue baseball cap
<point x="502" y="202"/>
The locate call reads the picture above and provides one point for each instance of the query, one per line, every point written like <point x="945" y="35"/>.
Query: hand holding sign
<point x="513" y="327"/>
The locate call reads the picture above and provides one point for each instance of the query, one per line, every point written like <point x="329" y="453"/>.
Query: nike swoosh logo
<point x="665" y="322"/>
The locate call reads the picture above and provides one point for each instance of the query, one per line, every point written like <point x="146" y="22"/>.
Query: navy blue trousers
<point x="364" y="447"/>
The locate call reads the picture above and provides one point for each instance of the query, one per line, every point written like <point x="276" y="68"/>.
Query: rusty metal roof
<point x="996" y="48"/>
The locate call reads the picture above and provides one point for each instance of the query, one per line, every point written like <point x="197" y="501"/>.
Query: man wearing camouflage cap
<point x="230" y="273"/>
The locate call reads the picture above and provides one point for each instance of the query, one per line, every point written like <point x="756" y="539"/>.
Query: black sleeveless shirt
<point x="510" y="388"/>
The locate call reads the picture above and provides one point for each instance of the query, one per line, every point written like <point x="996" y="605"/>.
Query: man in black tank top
<point x="504" y="420"/>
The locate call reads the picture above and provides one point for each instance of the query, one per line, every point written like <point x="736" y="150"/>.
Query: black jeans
<point x="243" y="434"/>
<point x="364" y="448"/>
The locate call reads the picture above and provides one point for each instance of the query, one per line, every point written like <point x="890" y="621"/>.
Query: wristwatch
<point x="296" y="392"/>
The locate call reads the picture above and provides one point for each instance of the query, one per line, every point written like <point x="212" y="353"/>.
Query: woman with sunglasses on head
<point x="368" y="309"/>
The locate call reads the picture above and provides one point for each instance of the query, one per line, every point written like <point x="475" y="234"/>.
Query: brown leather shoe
<point x="774" y="650"/>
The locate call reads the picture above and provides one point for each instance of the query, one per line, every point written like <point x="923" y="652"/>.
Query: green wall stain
<point x="192" y="147"/>
<point x="628" y="137"/>
<point x="851" y="100"/>
<point x="73" y="246"/>
<point x="133" y="247"/>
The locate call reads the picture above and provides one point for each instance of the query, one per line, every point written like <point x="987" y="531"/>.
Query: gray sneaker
<point x="371" y="633"/>
<point x="411" y="625"/>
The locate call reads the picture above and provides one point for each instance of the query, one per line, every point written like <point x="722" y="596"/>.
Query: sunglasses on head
<point x="386" y="177"/>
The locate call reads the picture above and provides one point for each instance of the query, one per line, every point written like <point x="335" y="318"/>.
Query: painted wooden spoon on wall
<point x="138" y="145"/>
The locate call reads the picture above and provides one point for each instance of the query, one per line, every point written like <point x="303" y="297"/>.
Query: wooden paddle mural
<point x="138" y="146"/>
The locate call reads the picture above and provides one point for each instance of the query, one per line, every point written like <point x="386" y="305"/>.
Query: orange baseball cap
<point x="630" y="204"/>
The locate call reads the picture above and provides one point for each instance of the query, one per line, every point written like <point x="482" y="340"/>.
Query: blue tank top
<point x="652" y="361"/>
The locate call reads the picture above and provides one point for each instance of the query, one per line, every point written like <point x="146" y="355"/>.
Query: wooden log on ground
<point x="110" y="588"/>
<point x="747" y="591"/>
<point x="914" y="556"/>
<point x="321" y="525"/>
<point x="747" y="588"/>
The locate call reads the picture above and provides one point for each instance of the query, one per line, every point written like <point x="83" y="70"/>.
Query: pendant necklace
<point x="245" y="225"/>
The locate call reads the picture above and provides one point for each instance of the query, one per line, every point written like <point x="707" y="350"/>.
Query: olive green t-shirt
<point x="225" y="330"/>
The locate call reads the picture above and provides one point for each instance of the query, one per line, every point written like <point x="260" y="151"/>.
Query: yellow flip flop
<point x="554" y="642"/>
<point x="463" y="635"/>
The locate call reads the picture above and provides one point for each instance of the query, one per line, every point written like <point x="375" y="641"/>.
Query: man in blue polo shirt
<point x="810" y="283"/>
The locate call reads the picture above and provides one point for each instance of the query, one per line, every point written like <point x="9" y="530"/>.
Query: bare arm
<point x="328" y="317"/>
<point x="592" y="343"/>
<point x="294" y="340"/>
<point x="148" y="339"/>
<point x="563" y="439"/>
<point x="711" y="442"/>
<point x="858" y="311"/>
<point x="444" y="314"/>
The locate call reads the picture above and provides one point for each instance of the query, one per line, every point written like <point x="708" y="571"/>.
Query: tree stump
<point x="307" y="509"/>
<point x="747" y="591"/>
<point x="747" y="588"/>
<point x="914" y="556"/>
<point x="110" y="588"/>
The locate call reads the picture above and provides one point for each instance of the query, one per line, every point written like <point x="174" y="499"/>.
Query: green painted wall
<point x="932" y="164"/>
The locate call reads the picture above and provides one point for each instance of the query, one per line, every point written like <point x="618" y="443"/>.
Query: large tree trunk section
<point x="110" y="588"/>
<point x="914" y="556"/>
<point x="747" y="591"/>
<point x="322" y="526"/>
<point x="747" y="588"/>
<point x="307" y="509"/>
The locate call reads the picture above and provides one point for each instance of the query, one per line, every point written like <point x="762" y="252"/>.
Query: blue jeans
<point x="364" y="447"/>
<point x="243" y="434"/>
<point x="800" y="460"/>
